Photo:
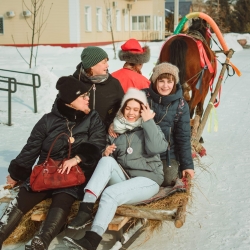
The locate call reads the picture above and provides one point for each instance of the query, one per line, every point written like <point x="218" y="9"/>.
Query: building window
<point x="1" y="25"/>
<point x="88" y="18"/>
<point x="134" y="23"/>
<point x="155" y="22"/>
<point x="140" y="22"/>
<point x="118" y="20"/>
<point x="126" y="22"/>
<point x="99" y="19"/>
<point x="109" y="20"/>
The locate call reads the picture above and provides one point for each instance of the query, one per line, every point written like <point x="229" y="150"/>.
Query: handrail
<point x="9" y="81"/>
<point x="26" y="84"/>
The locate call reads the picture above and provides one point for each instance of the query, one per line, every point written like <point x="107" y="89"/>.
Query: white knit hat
<point x="136" y="94"/>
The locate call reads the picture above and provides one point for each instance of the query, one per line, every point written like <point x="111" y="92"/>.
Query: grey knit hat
<point x="165" y="68"/>
<point x="70" y="88"/>
<point x="91" y="56"/>
<point x="132" y="52"/>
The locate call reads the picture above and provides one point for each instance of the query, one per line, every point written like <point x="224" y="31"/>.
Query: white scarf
<point x="121" y="125"/>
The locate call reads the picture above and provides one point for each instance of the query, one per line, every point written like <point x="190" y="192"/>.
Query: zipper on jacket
<point x="169" y="144"/>
<point x="160" y="100"/>
<point x="94" y="89"/>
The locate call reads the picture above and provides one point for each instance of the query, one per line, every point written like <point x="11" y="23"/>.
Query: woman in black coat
<point x="70" y="115"/>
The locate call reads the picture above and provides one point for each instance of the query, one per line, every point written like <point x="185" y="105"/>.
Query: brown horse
<point x="182" y="51"/>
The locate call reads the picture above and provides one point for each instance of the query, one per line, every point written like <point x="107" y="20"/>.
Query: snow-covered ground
<point x="219" y="216"/>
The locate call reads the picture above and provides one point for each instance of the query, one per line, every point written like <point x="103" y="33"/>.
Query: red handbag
<point x="45" y="176"/>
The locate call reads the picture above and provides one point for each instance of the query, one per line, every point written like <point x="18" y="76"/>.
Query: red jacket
<point x="131" y="79"/>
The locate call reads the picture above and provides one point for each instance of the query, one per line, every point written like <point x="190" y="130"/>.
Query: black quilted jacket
<point x="88" y="130"/>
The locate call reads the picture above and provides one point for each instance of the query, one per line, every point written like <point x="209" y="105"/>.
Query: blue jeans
<point x="119" y="191"/>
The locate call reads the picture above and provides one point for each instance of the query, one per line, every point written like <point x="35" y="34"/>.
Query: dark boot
<point x="83" y="217"/>
<point x="170" y="173"/>
<point x="52" y="225"/>
<point x="9" y="221"/>
<point x="90" y="241"/>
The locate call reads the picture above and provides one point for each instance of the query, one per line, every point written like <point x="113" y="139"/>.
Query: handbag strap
<point x="53" y="144"/>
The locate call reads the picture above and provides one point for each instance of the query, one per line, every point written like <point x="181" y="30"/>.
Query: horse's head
<point x="201" y="26"/>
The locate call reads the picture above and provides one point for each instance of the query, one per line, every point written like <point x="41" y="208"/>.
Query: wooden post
<point x="195" y="141"/>
<point x="136" y="212"/>
<point x="181" y="215"/>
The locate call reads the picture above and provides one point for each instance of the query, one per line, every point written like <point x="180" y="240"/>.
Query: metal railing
<point x="33" y="85"/>
<point x="9" y="80"/>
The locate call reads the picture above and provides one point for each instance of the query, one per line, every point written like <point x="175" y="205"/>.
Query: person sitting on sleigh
<point x="71" y="115"/>
<point x="130" y="166"/>
<point x="172" y="115"/>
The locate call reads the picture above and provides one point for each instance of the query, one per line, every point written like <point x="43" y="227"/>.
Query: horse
<point x="192" y="54"/>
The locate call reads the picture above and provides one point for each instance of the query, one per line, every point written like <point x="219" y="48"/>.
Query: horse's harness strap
<point x="203" y="57"/>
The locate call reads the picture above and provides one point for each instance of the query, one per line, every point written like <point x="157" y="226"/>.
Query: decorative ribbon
<point x="210" y="118"/>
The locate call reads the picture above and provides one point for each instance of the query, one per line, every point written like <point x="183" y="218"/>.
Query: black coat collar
<point x="69" y="113"/>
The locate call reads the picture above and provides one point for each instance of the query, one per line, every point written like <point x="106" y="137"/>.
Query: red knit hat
<point x="132" y="52"/>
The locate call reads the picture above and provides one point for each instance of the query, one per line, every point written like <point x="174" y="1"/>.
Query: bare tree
<point x="37" y="23"/>
<point x="110" y="23"/>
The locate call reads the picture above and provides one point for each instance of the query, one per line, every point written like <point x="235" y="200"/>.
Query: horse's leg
<point x="195" y="100"/>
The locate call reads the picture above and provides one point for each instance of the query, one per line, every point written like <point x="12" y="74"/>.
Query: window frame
<point x="108" y="18"/>
<point x="98" y="18"/>
<point x="87" y="18"/>
<point x="118" y="20"/>
<point x="2" y="33"/>
<point x="141" y="23"/>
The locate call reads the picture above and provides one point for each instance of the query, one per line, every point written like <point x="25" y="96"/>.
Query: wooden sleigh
<point x="130" y="221"/>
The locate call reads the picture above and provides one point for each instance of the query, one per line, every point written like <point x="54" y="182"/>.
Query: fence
<point x="10" y="80"/>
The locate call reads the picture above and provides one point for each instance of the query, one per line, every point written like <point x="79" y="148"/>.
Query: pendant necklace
<point x="71" y="138"/>
<point x="129" y="149"/>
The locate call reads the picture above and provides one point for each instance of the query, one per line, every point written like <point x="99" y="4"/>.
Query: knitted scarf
<point x="121" y="125"/>
<point x="97" y="78"/>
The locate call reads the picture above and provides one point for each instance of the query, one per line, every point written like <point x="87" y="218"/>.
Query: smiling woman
<point x="131" y="110"/>
<point x="172" y="115"/>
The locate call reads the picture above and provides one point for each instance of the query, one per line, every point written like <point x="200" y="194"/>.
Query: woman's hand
<point x="67" y="165"/>
<point x="109" y="150"/>
<point x="10" y="181"/>
<point x="187" y="172"/>
<point x="146" y="113"/>
<point x="112" y="132"/>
